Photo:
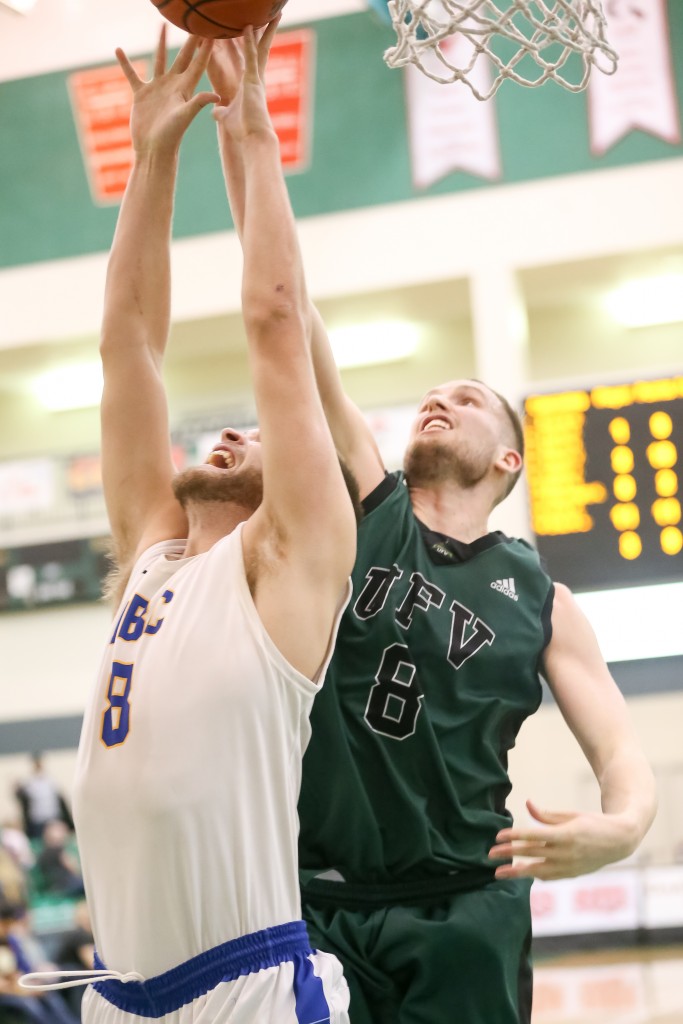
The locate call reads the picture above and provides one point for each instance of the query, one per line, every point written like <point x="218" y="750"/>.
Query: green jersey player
<point x="406" y="848"/>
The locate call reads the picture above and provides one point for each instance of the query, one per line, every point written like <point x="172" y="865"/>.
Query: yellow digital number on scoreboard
<point x="604" y="475"/>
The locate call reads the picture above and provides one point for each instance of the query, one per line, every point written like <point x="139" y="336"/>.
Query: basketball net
<point x="527" y="41"/>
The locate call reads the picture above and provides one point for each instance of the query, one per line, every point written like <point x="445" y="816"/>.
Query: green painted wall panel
<point x="360" y="155"/>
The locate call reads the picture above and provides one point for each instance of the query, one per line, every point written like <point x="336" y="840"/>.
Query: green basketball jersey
<point x="435" y="669"/>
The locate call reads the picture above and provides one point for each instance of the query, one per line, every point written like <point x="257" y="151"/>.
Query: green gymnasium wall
<point x="360" y="154"/>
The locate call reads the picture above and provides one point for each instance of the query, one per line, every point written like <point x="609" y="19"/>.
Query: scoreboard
<point x="604" y="475"/>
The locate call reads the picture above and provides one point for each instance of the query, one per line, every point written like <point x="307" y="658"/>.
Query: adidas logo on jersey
<point x="506" y="587"/>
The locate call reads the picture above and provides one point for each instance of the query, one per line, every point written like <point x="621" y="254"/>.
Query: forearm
<point x="273" y="282"/>
<point x="233" y="174"/>
<point x="137" y="294"/>
<point x="628" y="792"/>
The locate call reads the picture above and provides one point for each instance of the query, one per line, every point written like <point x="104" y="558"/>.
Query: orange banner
<point x="288" y="88"/>
<point x="101" y="100"/>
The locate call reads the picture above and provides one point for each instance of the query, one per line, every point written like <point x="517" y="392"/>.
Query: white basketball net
<point x="527" y="41"/>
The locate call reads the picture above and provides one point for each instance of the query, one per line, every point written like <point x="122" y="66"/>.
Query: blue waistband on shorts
<point x="167" y="992"/>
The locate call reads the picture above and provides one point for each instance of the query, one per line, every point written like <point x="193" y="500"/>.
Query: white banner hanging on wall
<point x="451" y="130"/>
<point x="641" y="95"/>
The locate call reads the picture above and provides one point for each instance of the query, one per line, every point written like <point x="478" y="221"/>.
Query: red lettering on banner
<point x="604" y="899"/>
<point x="543" y="902"/>
<point x="548" y="997"/>
<point x="608" y="994"/>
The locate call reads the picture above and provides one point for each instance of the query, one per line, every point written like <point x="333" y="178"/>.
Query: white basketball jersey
<point x="189" y="765"/>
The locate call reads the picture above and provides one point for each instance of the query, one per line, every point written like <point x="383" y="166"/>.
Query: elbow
<point x="269" y="317"/>
<point x="106" y="345"/>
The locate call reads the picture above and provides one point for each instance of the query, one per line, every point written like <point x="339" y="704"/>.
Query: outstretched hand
<point x="164" y="108"/>
<point x="237" y="72"/>
<point x="568" y="844"/>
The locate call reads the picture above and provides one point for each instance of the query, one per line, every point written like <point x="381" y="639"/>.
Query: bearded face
<point x="429" y="461"/>
<point x="200" y="485"/>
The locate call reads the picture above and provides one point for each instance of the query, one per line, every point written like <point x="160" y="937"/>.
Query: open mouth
<point x="432" y="425"/>
<point x="221" y="458"/>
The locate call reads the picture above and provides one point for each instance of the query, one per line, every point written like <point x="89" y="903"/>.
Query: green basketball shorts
<point x="462" y="959"/>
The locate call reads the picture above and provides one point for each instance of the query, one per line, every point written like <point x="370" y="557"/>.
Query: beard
<point x="195" y="486"/>
<point x="425" y="465"/>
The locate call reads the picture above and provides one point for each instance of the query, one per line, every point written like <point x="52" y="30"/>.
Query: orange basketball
<point x="219" y="19"/>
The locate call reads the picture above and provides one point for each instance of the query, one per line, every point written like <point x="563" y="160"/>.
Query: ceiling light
<point x="647" y="301"/>
<point x="384" y="341"/>
<point x="78" y="386"/>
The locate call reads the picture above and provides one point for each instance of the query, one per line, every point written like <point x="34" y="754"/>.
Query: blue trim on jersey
<point x="167" y="992"/>
<point x="311" y="1005"/>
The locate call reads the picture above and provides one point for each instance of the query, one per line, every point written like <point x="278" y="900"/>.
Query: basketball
<point x="218" y="19"/>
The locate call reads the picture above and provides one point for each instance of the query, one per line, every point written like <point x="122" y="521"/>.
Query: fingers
<point x="129" y="71"/>
<point x="200" y="62"/>
<point x="185" y="54"/>
<point x="531" y="869"/>
<point x="201" y="100"/>
<point x="507" y="851"/>
<point x="229" y="50"/>
<point x="265" y="44"/>
<point x="527" y="869"/>
<point x="249" y="48"/>
<point x="226" y="66"/>
<point x="222" y="112"/>
<point x="528" y="835"/>
<point x="160" y="58"/>
<point x="549" y="817"/>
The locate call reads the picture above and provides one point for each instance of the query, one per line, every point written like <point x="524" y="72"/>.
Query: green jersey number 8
<point x="396" y="698"/>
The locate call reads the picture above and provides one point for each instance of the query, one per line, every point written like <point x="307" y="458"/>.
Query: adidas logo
<point x="506" y="587"/>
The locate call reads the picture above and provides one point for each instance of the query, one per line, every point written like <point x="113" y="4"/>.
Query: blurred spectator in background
<point x="76" y="952"/>
<point x="59" y="870"/>
<point x="41" y="801"/>
<point x="13" y="888"/>
<point x="19" y="954"/>
<point x="16" y="842"/>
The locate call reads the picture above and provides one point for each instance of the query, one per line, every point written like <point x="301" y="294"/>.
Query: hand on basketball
<point x="226" y="67"/>
<point x="568" y="844"/>
<point x="164" y="107"/>
<point x="237" y="73"/>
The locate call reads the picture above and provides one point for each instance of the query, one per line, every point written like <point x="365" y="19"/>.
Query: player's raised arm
<point x="305" y="499"/>
<point x="136" y="458"/>
<point x="569" y="843"/>
<point x="352" y="436"/>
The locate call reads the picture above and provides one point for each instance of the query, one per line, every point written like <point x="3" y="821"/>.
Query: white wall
<point x="49" y="659"/>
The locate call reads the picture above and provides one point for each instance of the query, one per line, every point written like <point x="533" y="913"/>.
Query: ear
<point x="509" y="461"/>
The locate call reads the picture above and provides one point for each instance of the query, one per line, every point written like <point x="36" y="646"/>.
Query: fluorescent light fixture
<point x="647" y="301"/>
<point x="636" y="622"/>
<point x="77" y="386"/>
<point x="21" y="6"/>
<point x="384" y="341"/>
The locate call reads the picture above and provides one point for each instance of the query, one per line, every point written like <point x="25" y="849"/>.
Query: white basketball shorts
<point x="267" y="977"/>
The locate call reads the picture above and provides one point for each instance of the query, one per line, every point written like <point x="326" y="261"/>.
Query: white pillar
<point x="501" y="343"/>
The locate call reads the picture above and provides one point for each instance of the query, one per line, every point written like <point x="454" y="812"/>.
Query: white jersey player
<point x="190" y="757"/>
